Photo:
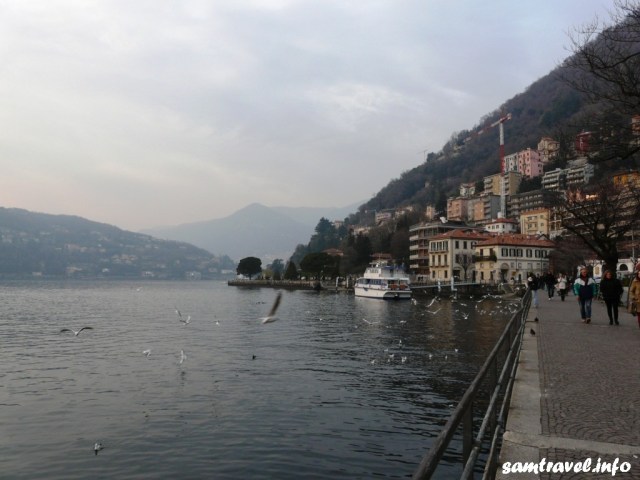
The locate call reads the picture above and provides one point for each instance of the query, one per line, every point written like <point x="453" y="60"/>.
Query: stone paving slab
<point x="588" y="392"/>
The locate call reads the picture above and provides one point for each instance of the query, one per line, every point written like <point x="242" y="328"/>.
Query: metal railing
<point x="490" y="427"/>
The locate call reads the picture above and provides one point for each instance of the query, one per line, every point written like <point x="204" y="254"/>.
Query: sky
<point x="153" y="113"/>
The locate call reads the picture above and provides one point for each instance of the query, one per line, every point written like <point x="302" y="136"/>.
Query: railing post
<point x="467" y="432"/>
<point x="493" y="421"/>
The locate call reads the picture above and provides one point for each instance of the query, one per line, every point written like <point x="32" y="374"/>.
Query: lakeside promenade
<point x="576" y="394"/>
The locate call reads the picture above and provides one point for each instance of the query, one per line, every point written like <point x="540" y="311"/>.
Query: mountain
<point x="63" y="245"/>
<point x="311" y="215"/>
<point x="547" y="108"/>
<point x="256" y="230"/>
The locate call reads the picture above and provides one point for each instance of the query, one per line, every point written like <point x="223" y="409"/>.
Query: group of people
<point x="585" y="290"/>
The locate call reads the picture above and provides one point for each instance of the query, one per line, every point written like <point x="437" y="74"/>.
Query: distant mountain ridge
<point x="255" y="230"/>
<point x="39" y="244"/>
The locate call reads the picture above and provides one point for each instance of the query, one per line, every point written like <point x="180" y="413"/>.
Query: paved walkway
<point x="577" y="392"/>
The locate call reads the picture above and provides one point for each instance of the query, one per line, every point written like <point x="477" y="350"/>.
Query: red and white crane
<point x="500" y="123"/>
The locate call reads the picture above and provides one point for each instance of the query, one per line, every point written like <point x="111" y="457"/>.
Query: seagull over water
<point x="271" y="316"/>
<point x="76" y="333"/>
<point x="97" y="447"/>
<point x="183" y="356"/>
<point x="181" y="318"/>
<point x="147" y="352"/>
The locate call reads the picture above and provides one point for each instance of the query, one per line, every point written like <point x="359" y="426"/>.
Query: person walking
<point x="585" y="289"/>
<point x="532" y="284"/>
<point x="550" y="281"/>
<point x="562" y="286"/>
<point x="634" y="296"/>
<point x="611" y="290"/>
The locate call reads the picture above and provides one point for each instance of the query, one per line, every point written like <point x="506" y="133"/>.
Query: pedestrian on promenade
<point x="550" y="281"/>
<point x="611" y="290"/>
<point x="532" y="284"/>
<point x="585" y="289"/>
<point x="562" y="286"/>
<point x="634" y="296"/>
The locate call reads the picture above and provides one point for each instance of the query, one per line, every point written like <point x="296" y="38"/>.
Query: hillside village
<point x="492" y="231"/>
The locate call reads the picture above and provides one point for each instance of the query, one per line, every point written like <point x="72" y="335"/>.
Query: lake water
<point x="340" y="387"/>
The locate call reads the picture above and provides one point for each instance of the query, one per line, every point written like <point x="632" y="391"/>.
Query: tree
<point x="320" y="264"/>
<point x="277" y="268"/>
<point x="602" y="215"/>
<point x="465" y="260"/>
<point x="605" y="67"/>
<point x="249" y="266"/>
<point x="291" y="273"/>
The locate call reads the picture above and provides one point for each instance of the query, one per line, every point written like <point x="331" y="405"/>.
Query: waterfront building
<point x="451" y="254"/>
<point x="419" y="237"/>
<point x="505" y="257"/>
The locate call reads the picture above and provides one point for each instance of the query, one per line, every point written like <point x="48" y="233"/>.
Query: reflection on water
<point x="339" y="387"/>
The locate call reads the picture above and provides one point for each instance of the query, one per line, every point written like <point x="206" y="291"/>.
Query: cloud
<point x="164" y="112"/>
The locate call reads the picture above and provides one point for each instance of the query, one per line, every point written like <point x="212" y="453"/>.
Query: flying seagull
<point x="74" y="332"/>
<point x="147" y="352"/>
<point x="97" y="447"/>
<point x="183" y="356"/>
<point x="271" y="317"/>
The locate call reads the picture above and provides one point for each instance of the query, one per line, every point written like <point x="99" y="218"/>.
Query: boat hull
<point x="382" y="293"/>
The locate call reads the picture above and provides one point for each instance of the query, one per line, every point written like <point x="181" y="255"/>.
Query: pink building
<point x="527" y="162"/>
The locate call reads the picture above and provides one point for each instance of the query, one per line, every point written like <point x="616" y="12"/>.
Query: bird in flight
<point x="271" y="316"/>
<point x="181" y="318"/>
<point x="76" y="333"/>
<point x="183" y="356"/>
<point x="147" y="352"/>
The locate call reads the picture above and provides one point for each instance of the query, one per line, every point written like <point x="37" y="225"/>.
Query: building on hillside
<point x="384" y="216"/>
<point x="475" y="209"/>
<point x="490" y="209"/>
<point x="535" y="222"/>
<point x="430" y="212"/>
<point x="511" y="183"/>
<point x="526" y="162"/>
<point x="578" y="172"/>
<point x="451" y="255"/>
<point x="582" y="143"/>
<point x="467" y="189"/>
<point x="419" y="236"/>
<point x="532" y="200"/>
<point x="631" y="178"/>
<point x="548" y="149"/>
<point x="501" y="226"/>
<point x="555" y="179"/>
<point x="555" y="223"/>
<point x="501" y="258"/>
<point x="457" y="209"/>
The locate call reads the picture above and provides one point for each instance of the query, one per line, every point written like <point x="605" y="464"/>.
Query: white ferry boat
<point x="385" y="281"/>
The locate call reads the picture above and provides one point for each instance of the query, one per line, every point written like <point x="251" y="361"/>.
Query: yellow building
<point x="535" y="222"/>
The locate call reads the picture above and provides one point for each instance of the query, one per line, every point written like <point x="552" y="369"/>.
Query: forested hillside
<point x="549" y="107"/>
<point x="53" y="245"/>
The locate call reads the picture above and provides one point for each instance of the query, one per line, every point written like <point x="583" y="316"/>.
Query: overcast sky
<point x="143" y="113"/>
